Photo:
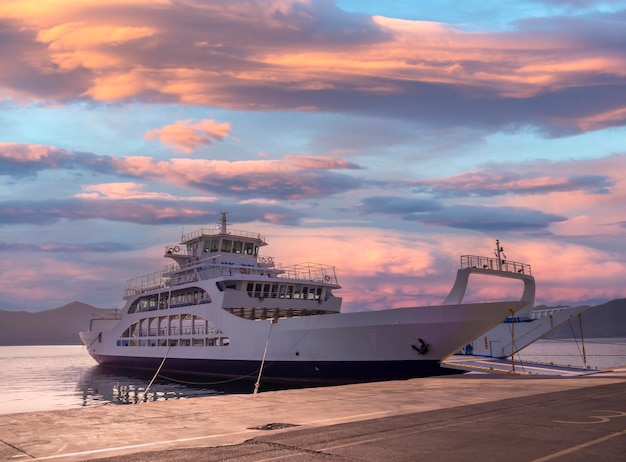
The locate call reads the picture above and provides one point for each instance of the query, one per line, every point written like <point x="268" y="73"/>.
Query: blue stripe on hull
<point x="317" y="372"/>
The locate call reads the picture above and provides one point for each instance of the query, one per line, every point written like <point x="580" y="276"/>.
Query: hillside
<point x="59" y="326"/>
<point x="602" y="321"/>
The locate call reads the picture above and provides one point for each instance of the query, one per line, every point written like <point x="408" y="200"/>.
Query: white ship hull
<point x="333" y="348"/>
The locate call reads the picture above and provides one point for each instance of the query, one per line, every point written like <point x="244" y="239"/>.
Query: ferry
<point x="224" y="309"/>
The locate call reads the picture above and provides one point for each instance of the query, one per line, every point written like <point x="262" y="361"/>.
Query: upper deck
<point x="208" y="268"/>
<point x="209" y="232"/>
<point x="495" y="264"/>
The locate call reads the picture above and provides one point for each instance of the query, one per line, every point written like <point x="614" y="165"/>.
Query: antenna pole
<point x="223" y="222"/>
<point x="498" y="251"/>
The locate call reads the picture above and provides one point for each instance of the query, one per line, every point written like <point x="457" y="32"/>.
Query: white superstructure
<point x="222" y="309"/>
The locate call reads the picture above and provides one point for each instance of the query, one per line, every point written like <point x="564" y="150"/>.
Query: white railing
<point x="173" y="275"/>
<point x="308" y="271"/>
<point x="212" y="232"/>
<point x="145" y="283"/>
<point x="474" y="261"/>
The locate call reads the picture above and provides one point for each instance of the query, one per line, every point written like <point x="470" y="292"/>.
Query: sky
<point x="384" y="138"/>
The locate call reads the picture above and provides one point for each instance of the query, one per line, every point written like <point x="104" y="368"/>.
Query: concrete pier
<point x="453" y="418"/>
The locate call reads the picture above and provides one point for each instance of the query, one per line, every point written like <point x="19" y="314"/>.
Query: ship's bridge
<point x="220" y="244"/>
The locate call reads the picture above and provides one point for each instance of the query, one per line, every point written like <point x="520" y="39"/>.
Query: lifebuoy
<point x="176" y="249"/>
<point x="327" y="278"/>
<point x="270" y="259"/>
<point x="243" y="271"/>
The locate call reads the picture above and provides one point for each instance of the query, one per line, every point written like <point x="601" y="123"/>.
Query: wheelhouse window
<point x="227" y="245"/>
<point x="215" y="245"/>
<point x="250" y="249"/>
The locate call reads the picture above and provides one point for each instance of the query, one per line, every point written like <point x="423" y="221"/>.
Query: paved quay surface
<point x="452" y="418"/>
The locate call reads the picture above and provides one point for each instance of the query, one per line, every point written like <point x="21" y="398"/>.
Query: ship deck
<point x="470" y="363"/>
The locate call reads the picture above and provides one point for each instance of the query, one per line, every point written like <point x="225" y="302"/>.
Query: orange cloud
<point x="267" y="49"/>
<point x="81" y="44"/>
<point x="187" y="136"/>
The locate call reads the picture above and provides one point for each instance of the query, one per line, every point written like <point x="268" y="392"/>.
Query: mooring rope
<point x="267" y="343"/>
<point x="156" y="374"/>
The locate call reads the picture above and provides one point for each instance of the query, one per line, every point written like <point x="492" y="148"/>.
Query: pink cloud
<point x="320" y="162"/>
<point x="292" y="177"/>
<point x="26" y="152"/>
<point x="127" y="190"/>
<point x="186" y="135"/>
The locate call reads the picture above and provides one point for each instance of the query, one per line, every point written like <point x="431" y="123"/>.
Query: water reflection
<point x="99" y="385"/>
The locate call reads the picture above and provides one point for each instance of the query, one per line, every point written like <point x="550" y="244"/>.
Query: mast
<point x="499" y="251"/>
<point x="223" y="221"/>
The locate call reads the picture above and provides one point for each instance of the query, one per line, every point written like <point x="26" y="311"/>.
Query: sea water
<point x="40" y="378"/>
<point x="593" y="353"/>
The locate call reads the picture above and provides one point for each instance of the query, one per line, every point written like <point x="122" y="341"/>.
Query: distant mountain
<point x="59" y="326"/>
<point x="602" y="321"/>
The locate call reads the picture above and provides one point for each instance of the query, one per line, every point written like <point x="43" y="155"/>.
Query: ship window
<point x="289" y="291"/>
<point x="199" y="326"/>
<point x="248" y="248"/>
<point x="274" y="290"/>
<point x="227" y="245"/>
<point x="296" y="292"/>
<point x="211" y="342"/>
<point x="318" y="293"/>
<point x="186" y="324"/>
<point x="198" y="342"/>
<point x="237" y="247"/>
<point x="305" y="293"/>
<point x="250" y="288"/>
<point x="266" y="290"/>
<point x="215" y="245"/>
<point x="185" y="342"/>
